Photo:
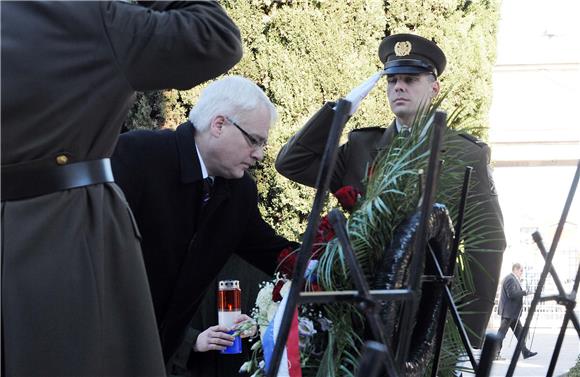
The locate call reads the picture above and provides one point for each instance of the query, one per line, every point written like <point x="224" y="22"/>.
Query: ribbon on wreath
<point x="290" y="363"/>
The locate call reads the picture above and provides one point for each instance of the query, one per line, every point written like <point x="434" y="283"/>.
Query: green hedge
<point x="303" y="53"/>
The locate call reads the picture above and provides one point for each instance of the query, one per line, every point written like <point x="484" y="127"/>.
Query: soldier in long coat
<point x="75" y="298"/>
<point x="412" y="66"/>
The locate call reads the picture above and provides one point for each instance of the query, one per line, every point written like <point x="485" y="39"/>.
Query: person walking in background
<point x="510" y="308"/>
<point x="75" y="298"/>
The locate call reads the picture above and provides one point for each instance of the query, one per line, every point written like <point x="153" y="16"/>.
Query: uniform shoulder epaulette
<point x="473" y="139"/>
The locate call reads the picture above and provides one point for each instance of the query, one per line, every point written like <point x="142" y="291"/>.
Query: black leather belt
<point x="35" y="178"/>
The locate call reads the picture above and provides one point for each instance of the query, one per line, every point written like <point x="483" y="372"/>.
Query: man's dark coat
<point x="510" y="300"/>
<point x="75" y="300"/>
<point x="184" y="244"/>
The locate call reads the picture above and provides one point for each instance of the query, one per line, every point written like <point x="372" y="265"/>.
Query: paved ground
<point x="544" y="342"/>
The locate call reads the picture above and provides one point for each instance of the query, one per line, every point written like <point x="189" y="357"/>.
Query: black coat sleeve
<point x="171" y="44"/>
<point x="124" y="161"/>
<point x="261" y="245"/>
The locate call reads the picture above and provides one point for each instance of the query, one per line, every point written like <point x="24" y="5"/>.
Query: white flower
<point x="305" y="331"/>
<point x="256" y="345"/>
<point x="262" y="364"/>
<point x="325" y="323"/>
<point x="245" y="367"/>
<point x="264" y="298"/>
<point x="306" y="327"/>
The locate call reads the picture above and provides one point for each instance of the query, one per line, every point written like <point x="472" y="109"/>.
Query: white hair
<point x="227" y="96"/>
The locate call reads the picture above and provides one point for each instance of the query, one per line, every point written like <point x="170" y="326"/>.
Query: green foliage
<point x="575" y="371"/>
<point x="147" y="112"/>
<point x="303" y="53"/>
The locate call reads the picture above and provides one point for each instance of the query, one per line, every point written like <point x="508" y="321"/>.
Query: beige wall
<point x="535" y="130"/>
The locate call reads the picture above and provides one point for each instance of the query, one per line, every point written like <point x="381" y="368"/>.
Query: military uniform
<point x="299" y="160"/>
<point x="75" y="299"/>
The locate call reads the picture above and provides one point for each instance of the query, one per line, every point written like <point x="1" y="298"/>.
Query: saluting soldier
<point x="412" y="65"/>
<point x="75" y="298"/>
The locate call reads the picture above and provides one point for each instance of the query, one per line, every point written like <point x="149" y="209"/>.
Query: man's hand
<point x="246" y="324"/>
<point x="215" y="338"/>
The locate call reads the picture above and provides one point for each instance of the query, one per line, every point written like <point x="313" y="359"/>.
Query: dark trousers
<point x="516" y="327"/>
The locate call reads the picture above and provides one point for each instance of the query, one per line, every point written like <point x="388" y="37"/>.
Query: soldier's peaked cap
<point x="411" y="54"/>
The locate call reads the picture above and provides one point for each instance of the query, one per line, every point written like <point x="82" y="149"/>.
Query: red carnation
<point x="276" y="296"/>
<point x="325" y="231"/>
<point x="347" y="197"/>
<point x="287" y="260"/>
<point x="317" y="250"/>
<point x="314" y="287"/>
<point x="324" y="234"/>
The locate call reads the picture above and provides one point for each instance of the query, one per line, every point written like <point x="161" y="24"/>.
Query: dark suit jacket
<point x="299" y="160"/>
<point x="510" y="300"/>
<point x="185" y="246"/>
<point x="74" y="297"/>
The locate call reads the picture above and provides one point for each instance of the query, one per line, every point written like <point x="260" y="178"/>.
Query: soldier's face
<point x="406" y="93"/>
<point x="238" y="143"/>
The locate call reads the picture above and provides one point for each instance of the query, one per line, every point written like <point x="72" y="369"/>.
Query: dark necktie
<point x="206" y="190"/>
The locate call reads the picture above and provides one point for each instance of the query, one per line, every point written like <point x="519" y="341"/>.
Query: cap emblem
<point x="403" y="48"/>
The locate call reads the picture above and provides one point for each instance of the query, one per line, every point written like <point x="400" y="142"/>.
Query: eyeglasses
<point x="252" y="140"/>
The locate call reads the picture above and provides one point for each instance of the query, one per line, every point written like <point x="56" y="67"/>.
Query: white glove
<point x="356" y="95"/>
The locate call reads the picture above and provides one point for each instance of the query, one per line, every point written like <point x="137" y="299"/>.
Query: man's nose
<point x="400" y="86"/>
<point x="258" y="153"/>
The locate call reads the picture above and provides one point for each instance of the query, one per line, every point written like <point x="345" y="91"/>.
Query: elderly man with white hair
<point x="196" y="205"/>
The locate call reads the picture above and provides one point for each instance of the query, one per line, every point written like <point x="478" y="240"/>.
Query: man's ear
<point x="216" y="126"/>
<point x="435" y="88"/>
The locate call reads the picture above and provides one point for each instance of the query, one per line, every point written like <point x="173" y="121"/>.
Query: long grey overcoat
<point x="75" y="299"/>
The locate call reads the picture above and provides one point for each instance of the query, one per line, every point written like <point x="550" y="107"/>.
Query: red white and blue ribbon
<point x="290" y="362"/>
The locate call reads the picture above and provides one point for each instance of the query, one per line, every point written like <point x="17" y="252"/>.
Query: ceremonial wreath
<point x="325" y="340"/>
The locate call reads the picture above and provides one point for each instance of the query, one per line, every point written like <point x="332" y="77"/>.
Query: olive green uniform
<point x="299" y="160"/>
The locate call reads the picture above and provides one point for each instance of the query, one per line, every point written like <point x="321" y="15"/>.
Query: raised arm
<point x="176" y="44"/>
<point x="300" y="158"/>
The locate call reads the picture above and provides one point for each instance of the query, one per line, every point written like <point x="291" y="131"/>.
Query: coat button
<point x="61" y="159"/>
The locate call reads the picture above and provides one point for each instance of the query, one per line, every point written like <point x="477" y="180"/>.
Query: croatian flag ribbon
<point x="290" y="363"/>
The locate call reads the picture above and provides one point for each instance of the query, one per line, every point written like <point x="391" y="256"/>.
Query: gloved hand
<point x="356" y="95"/>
